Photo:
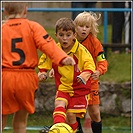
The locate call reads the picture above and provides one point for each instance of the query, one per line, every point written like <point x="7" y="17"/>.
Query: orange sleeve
<point x="95" y="47"/>
<point x="102" y="66"/>
<point x="47" y="44"/>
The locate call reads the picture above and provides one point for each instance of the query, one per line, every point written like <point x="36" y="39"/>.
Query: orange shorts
<point x="74" y="104"/>
<point x="18" y="89"/>
<point x="94" y="98"/>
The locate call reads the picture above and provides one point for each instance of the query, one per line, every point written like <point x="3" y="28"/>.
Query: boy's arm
<point x="44" y="65"/>
<point x="102" y="64"/>
<point x="47" y="45"/>
<point x="101" y="67"/>
<point x="87" y="67"/>
<point x="84" y="76"/>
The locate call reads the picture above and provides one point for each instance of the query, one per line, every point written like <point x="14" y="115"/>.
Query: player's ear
<point x="56" y="34"/>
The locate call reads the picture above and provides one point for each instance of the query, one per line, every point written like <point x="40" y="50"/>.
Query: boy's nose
<point x="64" y="37"/>
<point x="84" y="28"/>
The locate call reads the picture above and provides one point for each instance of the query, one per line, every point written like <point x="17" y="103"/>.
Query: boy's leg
<point x="4" y="120"/>
<point x="71" y="120"/>
<point x="96" y="123"/>
<point x="94" y="110"/>
<point x="96" y="127"/>
<point x="20" y="121"/>
<point x="80" y="130"/>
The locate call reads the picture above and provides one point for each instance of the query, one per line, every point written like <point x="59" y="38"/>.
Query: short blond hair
<point x="89" y="19"/>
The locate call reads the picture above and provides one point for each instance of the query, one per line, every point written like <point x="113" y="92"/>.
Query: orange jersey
<point x="20" y="40"/>
<point x="94" y="46"/>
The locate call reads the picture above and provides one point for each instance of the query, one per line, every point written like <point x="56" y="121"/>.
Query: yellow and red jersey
<point x="95" y="47"/>
<point x="65" y="76"/>
<point x="20" y="40"/>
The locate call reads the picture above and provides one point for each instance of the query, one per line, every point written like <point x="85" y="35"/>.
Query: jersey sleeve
<point x="47" y="44"/>
<point x="102" y="66"/>
<point x="45" y="63"/>
<point x="101" y="62"/>
<point x="87" y="60"/>
<point x="98" y="47"/>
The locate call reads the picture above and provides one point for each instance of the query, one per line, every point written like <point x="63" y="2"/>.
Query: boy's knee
<point x="69" y="114"/>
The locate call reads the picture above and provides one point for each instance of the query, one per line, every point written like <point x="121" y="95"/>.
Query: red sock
<point x="59" y="115"/>
<point x="74" y="126"/>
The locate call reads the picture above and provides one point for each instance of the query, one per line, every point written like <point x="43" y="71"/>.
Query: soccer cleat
<point x="45" y="129"/>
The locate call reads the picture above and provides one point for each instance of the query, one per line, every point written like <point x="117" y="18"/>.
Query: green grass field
<point x="119" y="69"/>
<point x="105" y="130"/>
<point x="111" y="124"/>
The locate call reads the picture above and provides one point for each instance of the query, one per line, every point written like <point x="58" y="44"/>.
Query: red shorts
<point x="74" y="104"/>
<point x="18" y="89"/>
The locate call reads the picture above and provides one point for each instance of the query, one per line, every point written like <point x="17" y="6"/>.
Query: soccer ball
<point x="61" y="128"/>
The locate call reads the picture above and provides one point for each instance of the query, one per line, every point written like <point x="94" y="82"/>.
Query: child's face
<point x="66" y="38"/>
<point x="82" y="32"/>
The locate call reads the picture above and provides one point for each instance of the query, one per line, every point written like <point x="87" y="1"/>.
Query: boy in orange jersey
<point x="86" y="30"/>
<point x="72" y="82"/>
<point x="20" y="40"/>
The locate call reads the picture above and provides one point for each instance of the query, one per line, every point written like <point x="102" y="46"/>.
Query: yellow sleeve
<point x="45" y="62"/>
<point x="86" y="64"/>
<point x="87" y="61"/>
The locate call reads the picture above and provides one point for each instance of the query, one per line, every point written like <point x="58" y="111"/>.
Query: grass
<point x="110" y="130"/>
<point x="115" y="124"/>
<point x="119" y="69"/>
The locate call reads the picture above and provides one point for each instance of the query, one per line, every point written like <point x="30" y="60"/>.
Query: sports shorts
<point x="94" y="94"/>
<point x="74" y="104"/>
<point x="18" y="89"/>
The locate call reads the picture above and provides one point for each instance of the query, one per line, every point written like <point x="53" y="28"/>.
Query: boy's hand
<point x="95" y="75"/>
<point x="68" y="61"/>
<point x="51" y="73"/>
<point x="42" y="76"/>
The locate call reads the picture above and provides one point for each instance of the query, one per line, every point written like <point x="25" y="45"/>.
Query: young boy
<point x="86" y="30"/>
<point x="72" y="82"/>
<point x="20" y="40"/>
